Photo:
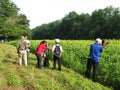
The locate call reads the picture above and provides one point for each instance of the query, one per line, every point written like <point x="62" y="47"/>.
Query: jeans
<point x="91" y="63"/>
<point x="39" y="60"/>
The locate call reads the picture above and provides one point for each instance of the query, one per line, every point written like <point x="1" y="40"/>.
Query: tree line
<point x="103" y="23"/>
<point x="12" y="23"/>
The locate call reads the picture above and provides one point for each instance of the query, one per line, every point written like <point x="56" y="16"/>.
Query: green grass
<point x="15" y="77"/>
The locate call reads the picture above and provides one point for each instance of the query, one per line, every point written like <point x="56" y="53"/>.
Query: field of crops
<point x="75" y="54"/>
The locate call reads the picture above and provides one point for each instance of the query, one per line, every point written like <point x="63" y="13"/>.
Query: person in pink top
<point x="40" y="52"/>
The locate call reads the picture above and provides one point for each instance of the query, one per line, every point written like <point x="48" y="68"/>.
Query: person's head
<point x="22" y="38"/>
<point x="25" y="37"/>
<point x="98" y="40"/>
<point x="57" y="41"/>
<point x="44" y="42"/>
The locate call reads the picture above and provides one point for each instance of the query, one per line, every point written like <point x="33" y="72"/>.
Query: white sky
<point x="45" y="11"/>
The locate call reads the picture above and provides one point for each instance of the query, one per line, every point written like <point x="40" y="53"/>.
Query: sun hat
<point x="98" y="40"/>
<point x="57" y="40"/>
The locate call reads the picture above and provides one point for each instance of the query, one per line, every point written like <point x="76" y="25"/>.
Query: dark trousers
<point x="59" y="62"/>
<point x="39" y="60"/>
<point x="46" y="62"/>
<point x="91" y="63"/>
<point x="28" y="55"/>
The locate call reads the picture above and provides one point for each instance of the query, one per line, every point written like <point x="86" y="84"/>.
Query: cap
<point x="98" y="40"/>
<point x="57" y="40"/>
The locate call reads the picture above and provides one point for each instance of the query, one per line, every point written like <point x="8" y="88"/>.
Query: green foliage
<point x="1" y="69"/>
<point x="13" y="79"/>
<point x="46" y="30"/>
<point x="75" y="55"/>
<point x="104" y="23"/>
<point x="12" y="24"/>
<point x="20" y="78"/>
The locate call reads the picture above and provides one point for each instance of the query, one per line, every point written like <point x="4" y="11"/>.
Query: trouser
<point x="91" y="63"/>
<point x="23" y="56"/>
<point x="46" y="62"/>
<point x="59" y="62"/>
<point x="39" y="60"/>
<point x="28" y="55"/>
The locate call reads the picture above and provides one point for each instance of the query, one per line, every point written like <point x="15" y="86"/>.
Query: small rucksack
<point x="57" y="51"/>
<point x="22" y="45"/>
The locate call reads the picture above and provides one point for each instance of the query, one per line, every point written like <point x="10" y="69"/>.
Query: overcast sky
<point x="45" y="11"/>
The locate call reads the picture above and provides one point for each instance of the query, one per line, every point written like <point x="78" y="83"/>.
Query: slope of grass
<point x="15" y="77"/>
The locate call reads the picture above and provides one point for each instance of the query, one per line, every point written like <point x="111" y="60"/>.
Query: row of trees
<point x="12" y="24"/>
<point x="103" y="23"/>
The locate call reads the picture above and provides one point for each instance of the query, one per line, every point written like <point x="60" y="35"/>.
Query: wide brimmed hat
<point x="98" y="40"/>
<point x="57" y="40"/>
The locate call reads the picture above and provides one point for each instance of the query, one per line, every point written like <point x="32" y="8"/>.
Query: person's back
<point x="95" y="51"/>
<point x="22" y="45"/>
<point x="93" y="60"/>
<point x="57" y="50"/>
<point x="21" y="49"/>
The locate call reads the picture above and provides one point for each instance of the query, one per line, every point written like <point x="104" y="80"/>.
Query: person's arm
<point x="17" y="48"/>
<point x="61" y="49"/>
<point x="26" y="45"/>
<point x="101" y="49"/>
<point x="90" y="50"/>
<point x="45" y="47"/>
<point x="53" y="48"/>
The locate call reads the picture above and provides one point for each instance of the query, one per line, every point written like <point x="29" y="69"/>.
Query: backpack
<point x="57" y="51"/>
<point x="22" y="45"/>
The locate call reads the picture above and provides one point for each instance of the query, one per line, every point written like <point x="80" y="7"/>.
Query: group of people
<point x="57" y="50"/>
<point x="23" y="49"/>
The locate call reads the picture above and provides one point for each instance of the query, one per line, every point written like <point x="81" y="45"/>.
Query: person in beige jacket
<point x="21" y="50"/>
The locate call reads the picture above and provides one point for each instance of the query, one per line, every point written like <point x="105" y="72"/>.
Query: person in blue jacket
<point x="94" y="59"/>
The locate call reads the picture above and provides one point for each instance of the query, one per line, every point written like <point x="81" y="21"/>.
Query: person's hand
<point x="50" y="48"/>
<point x="47" y="44"/>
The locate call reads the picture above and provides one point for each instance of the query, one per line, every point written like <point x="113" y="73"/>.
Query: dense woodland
<point x="103" y="23"/>
<point x="12" y="23"/>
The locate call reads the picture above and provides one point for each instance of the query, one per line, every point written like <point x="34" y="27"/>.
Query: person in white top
<point x="57" y="50"/>
<point x="28" y="48"/>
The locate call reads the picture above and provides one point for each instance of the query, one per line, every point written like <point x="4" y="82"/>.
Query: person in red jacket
<point x="40" y="52"/>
